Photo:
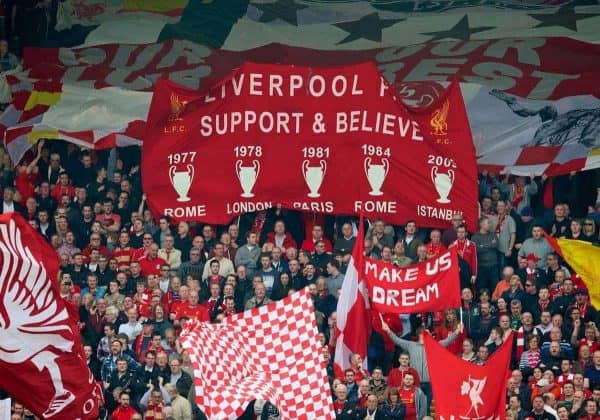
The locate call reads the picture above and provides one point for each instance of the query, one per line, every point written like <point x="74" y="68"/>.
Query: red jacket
<point x="151" y="266"/>
<point x="198" y="312"/>
<point x="58" y="191"/>
<point x="468" y="251"/>
<point x="288" y="241"/>
<point x="88" y="250"/>
<point x="26" y="185"/>
<point x="396" y="377"/>
<point x="123" y="413"/>
<point x="309" y="245"/>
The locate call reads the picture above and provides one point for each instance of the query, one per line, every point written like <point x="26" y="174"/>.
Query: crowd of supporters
<point x="136" y="276"/>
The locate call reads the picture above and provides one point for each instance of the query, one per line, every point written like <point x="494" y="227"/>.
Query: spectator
<point x="317" y="235"/>
<point x="259" y="298"/>
<point x="393" y="406"/>
<point x="536" y="245"/>
<point x="280" y="238"/>
<point x="410" y="241"/>
<point x="486" y="243"/>
<point x="8" y="61"/>
<point x="124" y="411"/>
<point x="396" y="375"/>
<point x="249" y="254"/>
<point x="182" y="410"/>
<point x="225" y="264"/>
<point x="171" y="255"/>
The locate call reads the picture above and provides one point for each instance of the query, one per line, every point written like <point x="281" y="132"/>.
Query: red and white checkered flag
<point x="269" y="353"/>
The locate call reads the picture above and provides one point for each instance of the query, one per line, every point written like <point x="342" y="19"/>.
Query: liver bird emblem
<point x="32" y="325"/>
<point x="439" y="119"/>
<point x="177" y="107"/>
<point x="473" y="388"/>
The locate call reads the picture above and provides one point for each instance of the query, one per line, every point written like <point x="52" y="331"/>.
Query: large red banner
<point x="41" y="358"/>
<point x="330" y="140"/>
<point x="429" y="286"/>
<point x="533" y="67"/>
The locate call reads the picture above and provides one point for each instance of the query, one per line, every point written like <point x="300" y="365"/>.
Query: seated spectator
<point x="345" y="242"/>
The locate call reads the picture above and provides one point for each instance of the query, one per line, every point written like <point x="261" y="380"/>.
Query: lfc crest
<point x="177" y="107"/>
<point x="438" y="122"/>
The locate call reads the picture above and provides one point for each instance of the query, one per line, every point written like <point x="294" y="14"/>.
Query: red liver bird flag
<point x="269" y="353"/>
<point x="41" y="358"/>
<point x="353" y="313"/>
<point x="463" y="390"/>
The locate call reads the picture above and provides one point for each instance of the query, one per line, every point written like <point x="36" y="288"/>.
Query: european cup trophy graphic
<point x="313" y="176"/>
<point x="443" y="183"/>
<point x="247" y="176"/>
<point x="376" y="175"/>
<point x="181" y="182"/>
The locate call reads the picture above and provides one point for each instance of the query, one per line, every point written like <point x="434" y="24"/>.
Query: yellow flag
<point x="585" y="260"/>
<point x="37" y="97"/>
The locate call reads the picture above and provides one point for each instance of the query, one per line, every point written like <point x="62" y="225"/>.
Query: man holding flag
<point x="416" y="350"/>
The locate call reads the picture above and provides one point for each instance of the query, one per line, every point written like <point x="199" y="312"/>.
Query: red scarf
<point x="499" y="224"/>
<point x="518" y="195"/>
<point x="548" y="198"/>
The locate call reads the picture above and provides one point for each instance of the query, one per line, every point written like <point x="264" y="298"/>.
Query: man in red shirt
<point x="413" y="399"/>
<point x="29" y="176"/>
<point x="396" y="376"/>
<point x="356" y="364"/>
<point x="123" y="253"/>
<point x="110" y="221"/>
<point x="193" y="309"/>
<point x="280" y="238"/>
<point x="435" y="247"/>
<point x="124" y="411"/>
<point x="95" y="243"/>
<point x="317" y="235"/>
<point x="151" y="263"/>
<point x="466" y="250"/>
<point x="63" y="187"/>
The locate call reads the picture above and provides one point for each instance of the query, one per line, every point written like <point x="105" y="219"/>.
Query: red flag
<point x="433" y="285"/>
<point x="464" y="390"/>
<point x="353" y="317"/>
<point x="270" y="353"/>
<point x="41" y="358"/>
